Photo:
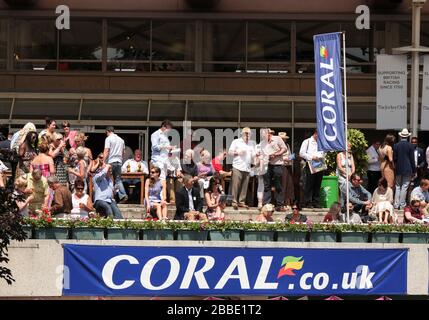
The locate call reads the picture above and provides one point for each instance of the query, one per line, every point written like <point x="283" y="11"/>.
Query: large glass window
<point x="35" y="45"/>
<point x="173" y="46"/>
<point x="266" y="112"/>
<point x="80" y="46"/>
<point x="361" y="113"/>
<point x="224" y="46"/>
<point x="3" y="43"/>
<point x="172" y="110"/>
<point x="305" y="112"/>
<point x="268" y="47"/>
<point x="5" y="105"/>
<point x="39" y="109"/>
<point x="114" y="110"/>
<point x="213" y="111"/>
<point x="128" y="45"/>
<point x="361" y="45"/>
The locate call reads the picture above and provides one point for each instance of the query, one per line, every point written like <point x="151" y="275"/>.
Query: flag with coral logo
<point x="329" y="93"/>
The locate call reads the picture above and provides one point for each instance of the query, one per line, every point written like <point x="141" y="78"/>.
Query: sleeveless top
<point x="44" y="168"/>
<point x="61" y="169"/>
<point x="155" y="192"/>
<point x="76" y="210"/>
<point x="343" y="163"/>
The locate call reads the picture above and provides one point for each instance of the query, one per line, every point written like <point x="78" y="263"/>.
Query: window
<point x="172" y="110"/>
<point x="268" y="47"/>
<point x="305" y="112"/>
<point x="224" y="46"/>
<point x="266" y="112"/>
<point x="213" y="111"/>
<point x="128" y="45"/>
<point x="361" y="113"/>
<point x="361" y="45"/>
<point x="3" y="43"/>
<point x="39" y="109"/>
<point x="80" y="46"/>
<point x="35" y="45"/>
<point x="114" y="110"/>
<point x="5" y="105"/>
<point x="173" y="46"/>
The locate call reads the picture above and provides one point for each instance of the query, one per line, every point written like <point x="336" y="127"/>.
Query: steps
<point x="137" y="211"/>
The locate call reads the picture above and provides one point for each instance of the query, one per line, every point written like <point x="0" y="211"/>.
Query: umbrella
<point x="213" y="298"/>
<point x="334" y="298"/>
<point x="383" y="298"/>
<point x="278" y="298"/>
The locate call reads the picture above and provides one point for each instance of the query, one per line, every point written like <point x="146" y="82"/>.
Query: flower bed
<point x="227" y="230"/>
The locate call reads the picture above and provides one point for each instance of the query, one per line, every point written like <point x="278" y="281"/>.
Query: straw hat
<point x="283" y="135"/>
<point x="404" y="133"/>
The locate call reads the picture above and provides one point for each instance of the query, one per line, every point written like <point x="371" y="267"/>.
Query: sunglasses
<point x="295" y="208"/>
<point x="79" y="189"/>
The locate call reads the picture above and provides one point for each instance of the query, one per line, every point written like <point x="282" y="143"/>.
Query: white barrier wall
<point x="36" y="264"/>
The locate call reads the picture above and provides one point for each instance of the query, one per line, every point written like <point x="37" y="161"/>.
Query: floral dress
<point x="61" y="169"/>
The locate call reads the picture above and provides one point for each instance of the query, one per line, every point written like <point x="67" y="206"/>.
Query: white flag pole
<point x="346" y="124"/>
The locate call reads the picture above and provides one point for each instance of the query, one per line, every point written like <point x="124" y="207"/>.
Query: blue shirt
<point x="103" y="186"/>
<point x="159" y="141"/>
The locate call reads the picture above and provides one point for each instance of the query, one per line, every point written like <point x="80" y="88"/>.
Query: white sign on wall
<point x="391" y="92"/>
<point x="425" y="95"/>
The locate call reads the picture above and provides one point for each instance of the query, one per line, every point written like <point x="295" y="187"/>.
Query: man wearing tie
<point x="419" y="160"/>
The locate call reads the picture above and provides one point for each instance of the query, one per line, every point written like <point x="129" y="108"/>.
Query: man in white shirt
<point x="114" y="147"/>
<point x="243" y="151"/>
<point x="374" y="166"/>
<point x="161" y="147"/>
<point x="274" y="148"/>
<point x="134" y="165"/>
<point x="309" y="152"/>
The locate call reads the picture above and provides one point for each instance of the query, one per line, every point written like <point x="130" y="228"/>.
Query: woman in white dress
<point x="82" y="203"/>
<point x="382" y="200"/>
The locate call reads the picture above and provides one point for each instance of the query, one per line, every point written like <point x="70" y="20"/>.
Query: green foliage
<point x="96" y="222"/>
<point x="325" y="227"/>
<point x="11" y="223"/>
<point x="359" y="145"/>
<point x="293" y="227"/>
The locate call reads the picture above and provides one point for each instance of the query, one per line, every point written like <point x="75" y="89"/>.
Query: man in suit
<point x="188" y="201"/>
<point x="419" y="160"/>
<point x="405" y="168"/>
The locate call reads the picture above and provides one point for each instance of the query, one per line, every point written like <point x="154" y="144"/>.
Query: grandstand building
<point x="217" y="63"/>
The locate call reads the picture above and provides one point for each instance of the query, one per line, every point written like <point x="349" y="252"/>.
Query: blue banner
<point x="329" y="95"/>
<point x="193" y="271"/>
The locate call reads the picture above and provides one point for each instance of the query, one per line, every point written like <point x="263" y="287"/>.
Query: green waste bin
<point x="328" y="191"/>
